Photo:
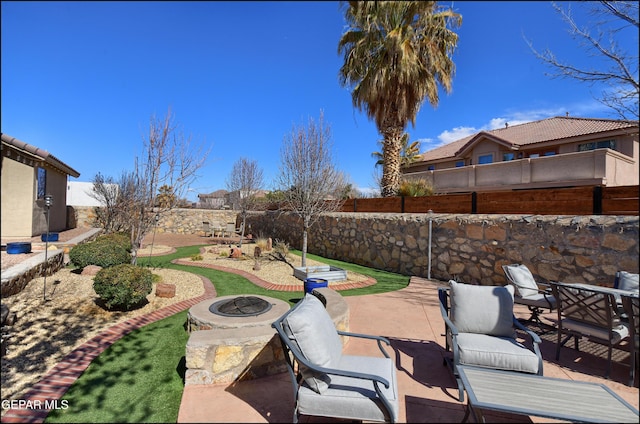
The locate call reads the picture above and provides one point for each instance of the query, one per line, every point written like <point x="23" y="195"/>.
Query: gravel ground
<point x="45" y="331"/>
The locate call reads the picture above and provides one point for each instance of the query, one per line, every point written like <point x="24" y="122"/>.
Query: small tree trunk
<point x="244" y="225"/>
<point x="304" y="247"/>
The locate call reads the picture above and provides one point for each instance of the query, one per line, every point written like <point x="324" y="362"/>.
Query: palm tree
<point x="409" y="153"/>
<point x="396" y="54"/>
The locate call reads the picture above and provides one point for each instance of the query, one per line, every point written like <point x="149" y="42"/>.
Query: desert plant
<point x="123" y="286"/>
<point x="105" y="253"/>
<point x="415" y="188"/>
<point x="280" y="252"/>
<point x="262" y="243"/>
<point x="196" y="257"/>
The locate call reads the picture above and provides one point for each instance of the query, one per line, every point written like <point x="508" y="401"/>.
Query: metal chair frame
<point x="451" y="332"/>
<point x="592" y="307"/>
<point x="536" y="311"/>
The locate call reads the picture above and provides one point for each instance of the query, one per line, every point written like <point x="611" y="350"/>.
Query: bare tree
<point x="109" y="214"/>
<point x="619" y="70"/>
<point x="308" y="176"/>
<point x="166" y="168"/>
<point x="245" y="180"/>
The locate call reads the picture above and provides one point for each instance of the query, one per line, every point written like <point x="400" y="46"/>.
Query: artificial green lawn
<point x="140" y="378"/>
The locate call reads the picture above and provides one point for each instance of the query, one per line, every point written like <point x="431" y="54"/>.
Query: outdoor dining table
<point x="604" y="289"/>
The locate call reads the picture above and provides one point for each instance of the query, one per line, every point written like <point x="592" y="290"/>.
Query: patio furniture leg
<point x="449" y="362"/>
<point x="608" y="362"/>
<point x="535" y="319"/>
<point x="563" y="342"/>
<point x="467" y="410"/>
<point x="477" y="414"/>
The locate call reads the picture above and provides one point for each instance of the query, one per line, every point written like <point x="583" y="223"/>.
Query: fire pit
<point x="232" y="339"/>
<point x="235" y="312"/>
<point x="244" y="306"/>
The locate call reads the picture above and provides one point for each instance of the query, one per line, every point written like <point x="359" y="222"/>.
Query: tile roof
<point x="550" y="129"/>
<point x="39" y="154"/>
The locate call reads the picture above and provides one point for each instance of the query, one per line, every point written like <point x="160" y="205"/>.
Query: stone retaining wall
<point x="468" y="248"/>
<point x="15" y="279"/>
<point x="178" y="221"/>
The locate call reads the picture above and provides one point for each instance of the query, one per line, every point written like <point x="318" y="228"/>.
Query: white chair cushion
<point x="353" y="398"/>
<point x="539" y="300"/>
<point x="617" y="333"/>
<point x="627" y="281"/>
<point x="523" y="278"/>
<point x="496" y="352"/>
<point x="482" y="309"/>
<point x="311" y="328"/>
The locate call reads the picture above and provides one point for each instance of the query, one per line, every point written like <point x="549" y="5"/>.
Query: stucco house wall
<point x="18" y="212"/>
<point x="80" y="194"/>
<point x="24" y="214"/>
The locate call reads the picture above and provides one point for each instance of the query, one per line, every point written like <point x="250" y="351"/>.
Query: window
<point x="483" y="159"/>
<point x="543" y="153"/>
<point x="508" y="156"/>
<point x="41" y="182"/>
<point x="459" y="164"/>
<point x="431" y="168"/>
<point x="607" y="144"/>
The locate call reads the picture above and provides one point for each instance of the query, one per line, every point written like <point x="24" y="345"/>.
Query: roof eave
<point x="41" y="154"/>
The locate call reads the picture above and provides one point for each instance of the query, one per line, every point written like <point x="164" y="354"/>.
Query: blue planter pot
<point x="18" y="247"/>
<point x="314" y="283"/>
<point x="52" y="237"/>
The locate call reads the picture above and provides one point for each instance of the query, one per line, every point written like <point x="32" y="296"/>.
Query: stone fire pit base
<point x="242" y="352"/>
<point x="227" y="355"/>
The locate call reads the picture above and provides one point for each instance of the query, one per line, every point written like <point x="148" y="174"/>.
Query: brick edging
<point x="59" y="378"/>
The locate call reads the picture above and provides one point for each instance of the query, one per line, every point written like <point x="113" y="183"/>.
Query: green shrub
<point x="103" y="253"/>
<point x="123" y="286"/>
<point x="122" y="239"/>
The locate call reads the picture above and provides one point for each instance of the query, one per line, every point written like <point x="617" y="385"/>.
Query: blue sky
<point x="82" y="79"/>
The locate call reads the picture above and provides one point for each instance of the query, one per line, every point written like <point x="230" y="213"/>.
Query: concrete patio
<point x="411" y="319"/>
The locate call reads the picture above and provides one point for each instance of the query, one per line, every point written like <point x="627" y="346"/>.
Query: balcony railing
<point x="595" y="167"/>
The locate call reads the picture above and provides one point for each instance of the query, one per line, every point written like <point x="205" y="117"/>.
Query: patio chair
<point x="481" y="330"/>
<point x="230" y="229"/>
<point x="216" y="229"/>
<point x="588" y="312"/>
<point x="631" y="305"/>
<point x="626" y="281"/>
<point x="535" y="296"/>
<point x="206" y="228"/>
<point x="327" y="383"/>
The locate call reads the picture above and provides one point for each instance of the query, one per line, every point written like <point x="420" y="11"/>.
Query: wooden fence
<point x="590" y="200"/>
